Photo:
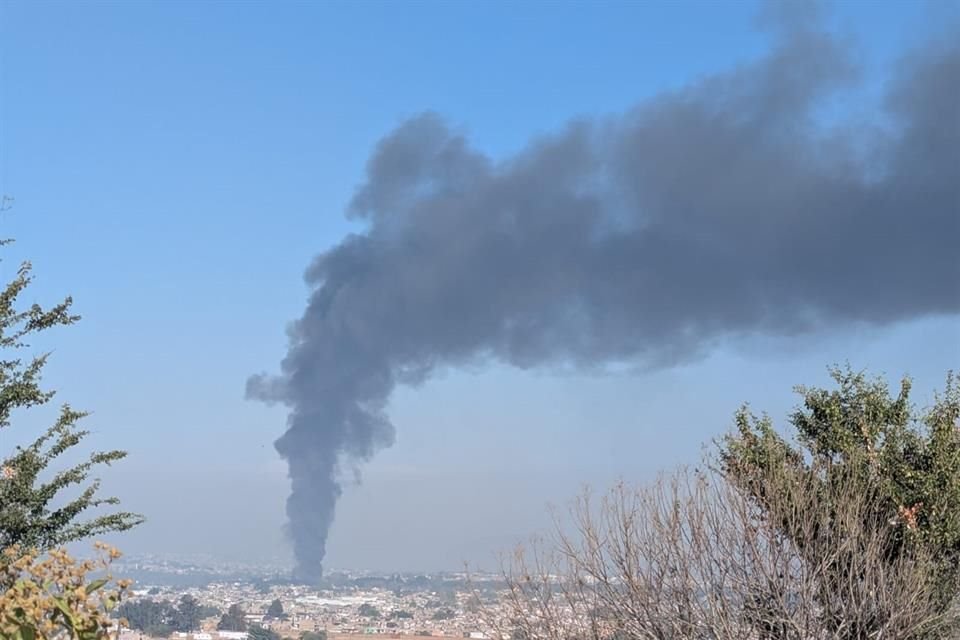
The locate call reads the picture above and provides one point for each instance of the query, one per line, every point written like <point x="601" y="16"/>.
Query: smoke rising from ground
<point x="719" y="210"/>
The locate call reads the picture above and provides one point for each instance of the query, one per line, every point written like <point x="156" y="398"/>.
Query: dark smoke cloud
<point x="719" y="210"/>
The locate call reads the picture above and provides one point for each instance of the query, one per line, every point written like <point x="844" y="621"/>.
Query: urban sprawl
<point x="345" y="605"/>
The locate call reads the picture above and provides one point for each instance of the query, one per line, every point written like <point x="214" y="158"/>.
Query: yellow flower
<point x="34" y="588"/>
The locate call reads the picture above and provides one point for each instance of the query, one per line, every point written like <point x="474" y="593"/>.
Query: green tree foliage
<point x="259" y="633"/>
<point x="907" y="460"/>
<point x="149" y="616"/>
<point x="233" y="619"/>
<point x="209" y="611"/>
<point x="188" y="614"/>
<point x="31" y="515"/>
<point x="367" y="610"/>
<point x="275" y="610"/>
<point x="162" y="618"/>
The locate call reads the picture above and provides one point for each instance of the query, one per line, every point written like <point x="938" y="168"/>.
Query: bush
<point x="851" y="532"/>
<point x="54" y="596"/>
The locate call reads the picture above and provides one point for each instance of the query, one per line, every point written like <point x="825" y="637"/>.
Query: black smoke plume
<point x="722" y="209"/>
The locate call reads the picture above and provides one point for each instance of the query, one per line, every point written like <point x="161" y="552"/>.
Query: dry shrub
<point x="691" y="558"/>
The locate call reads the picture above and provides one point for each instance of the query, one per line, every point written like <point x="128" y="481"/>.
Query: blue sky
<point x="175" y="167"/>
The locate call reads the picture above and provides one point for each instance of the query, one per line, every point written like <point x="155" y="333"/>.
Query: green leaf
<point x="64" y="609"/>
<point x="96" y="585"/>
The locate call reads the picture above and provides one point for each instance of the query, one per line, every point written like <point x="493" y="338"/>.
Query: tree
<point x="275" y="610"/>
<point x="259" y="633"/>
<point x="209" y="611"/>
<point x="850" y="533"/>
<point x="33" y="513"/>
<point x="692" y="557"/>
<point x="908" y="461"/>
<point x="233" y="619"/>
<point x="160" y="619"/>
<point x="154" y="618"/>
<point x="367" y="610"/>
<point x="188" y="614"/>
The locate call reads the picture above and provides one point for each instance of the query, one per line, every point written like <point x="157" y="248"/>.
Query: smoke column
<point x="722" y="209"/>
